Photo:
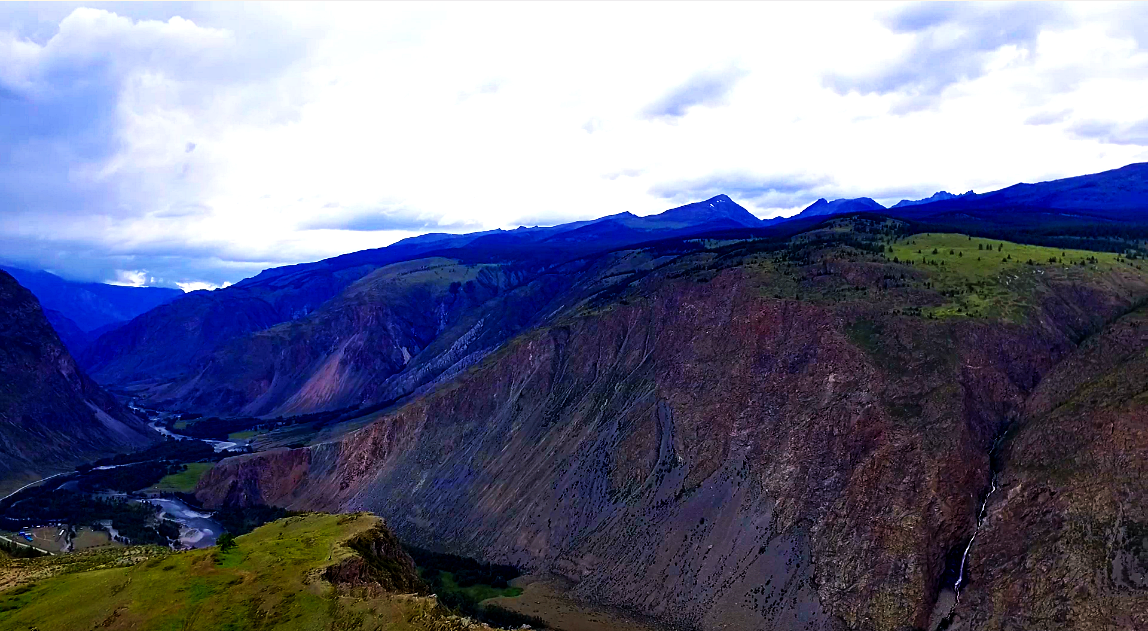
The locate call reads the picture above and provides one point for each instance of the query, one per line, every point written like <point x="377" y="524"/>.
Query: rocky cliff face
<point x="1064" y="542"/>
<point x="738" y="439"/>
<point x="52" y="416"/>
<point x="379" y="562"/>
<point x="168" y="341"/>
<point x="400" y="327"/>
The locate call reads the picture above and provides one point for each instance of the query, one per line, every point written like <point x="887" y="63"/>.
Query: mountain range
<point x="923" y="417"/>
<point x="81" y="312"/>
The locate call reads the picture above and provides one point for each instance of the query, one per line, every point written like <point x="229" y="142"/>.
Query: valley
<point x="857" y="419"/>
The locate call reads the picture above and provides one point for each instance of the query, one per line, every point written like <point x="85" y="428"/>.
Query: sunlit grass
<point x="268" y="581"/>
<point x="990" y="277"/>
<point x="184" y="481"/>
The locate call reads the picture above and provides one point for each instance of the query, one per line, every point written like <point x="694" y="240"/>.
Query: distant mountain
<point x="91" y="305"/>
<point x="1117" y="195"/>
<point x="176" y="339"/>
<point x="74" y="338"/>
<point x="939" y="196"/>
<point x="52" y="416"/>
<point x="713" y="210"/>
<point x="839" y="206"/>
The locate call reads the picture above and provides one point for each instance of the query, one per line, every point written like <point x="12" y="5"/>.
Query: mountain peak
<point x="839" y="206"/>
<point x="939" y="196"/>
<point x="716" y="208"/>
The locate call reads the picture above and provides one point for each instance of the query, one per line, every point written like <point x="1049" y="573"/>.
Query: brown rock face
<point x="398" y="328"/>
<point x="380" y="562"/>
<point x="52" y="416"/>
<point x="1064" y="544"/>
<point x="710" y="453"/>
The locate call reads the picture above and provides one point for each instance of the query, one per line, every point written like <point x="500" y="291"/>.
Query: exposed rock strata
<point x="707" y="454"/>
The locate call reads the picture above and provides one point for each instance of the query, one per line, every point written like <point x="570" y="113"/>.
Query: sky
<point x="193" y="145"/>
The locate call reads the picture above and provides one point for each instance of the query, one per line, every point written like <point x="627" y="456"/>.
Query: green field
<point x="994" y="278"/>
<point x="270" y="580"/>
<point x="244" y="435"/>
<point x="184" y="481"/>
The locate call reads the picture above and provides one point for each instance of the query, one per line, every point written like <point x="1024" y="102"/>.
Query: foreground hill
<point x="52" y="416"/>
<point x="304" y="572"/>
<point x="91" y="306"/>
<point x="767" y="434"/>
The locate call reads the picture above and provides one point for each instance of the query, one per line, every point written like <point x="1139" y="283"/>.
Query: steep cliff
<point x="52" y="416"/>
<point x="759" y="435"/>
<point x="352" y="350"/>
<point x="1064" y="540"/>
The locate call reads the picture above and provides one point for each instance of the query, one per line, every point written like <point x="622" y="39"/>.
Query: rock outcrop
<point x="379" y="562"/>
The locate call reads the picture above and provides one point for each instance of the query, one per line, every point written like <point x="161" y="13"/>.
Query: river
<point x="217" y="445"/>
<point x="197" y="530"/>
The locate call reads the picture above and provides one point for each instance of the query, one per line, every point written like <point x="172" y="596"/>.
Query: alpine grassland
<point x="274" y="577"/>
<point x="184" y="481"/>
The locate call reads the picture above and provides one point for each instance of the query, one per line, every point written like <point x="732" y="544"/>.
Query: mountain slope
<point x="1119" y="194"/>
<point x="1071" y="505"/>
<point x="712" y="210"/>
<point x="346" y="353"/>
<point x="173" y="343"/>
<point x="52" y="416"/>
<point x="299" y="573"/>
<point x="765" y="435"/>
<point x="75" y="339"/>
<point x="91" y="305"/>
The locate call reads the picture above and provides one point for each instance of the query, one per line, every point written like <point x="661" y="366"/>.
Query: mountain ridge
<point x="52" y="415"/>
<point x="91" y="306"/>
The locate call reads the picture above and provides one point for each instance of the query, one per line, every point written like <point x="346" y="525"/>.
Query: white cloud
<point x="198" y="285"/>
<point x="129" y="278"/>
<point x="210" y="145"/>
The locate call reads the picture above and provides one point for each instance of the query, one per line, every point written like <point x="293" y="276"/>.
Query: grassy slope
<point x="269" y="580"/>
<point x="184" y="481"/>
<point x="991" y="281"/>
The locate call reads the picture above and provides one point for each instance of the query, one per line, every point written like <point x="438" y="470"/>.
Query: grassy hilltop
<point x="276" y="577"/>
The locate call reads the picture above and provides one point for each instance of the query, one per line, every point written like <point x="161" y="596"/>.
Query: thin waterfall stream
<point x="976" y="529"/>
<point x="950" y="595"/>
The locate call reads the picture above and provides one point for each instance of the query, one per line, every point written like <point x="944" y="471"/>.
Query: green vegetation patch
<point x="462" y="584"/>
<point x="268" y="580"/>
<point x="183" y="481"/>
<point x="993" y="278"/>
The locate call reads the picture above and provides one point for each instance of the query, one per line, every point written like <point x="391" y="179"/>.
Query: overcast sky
<point x="196" y="144"/>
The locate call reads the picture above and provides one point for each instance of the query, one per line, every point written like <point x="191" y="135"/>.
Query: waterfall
<point x="976" y="529"/>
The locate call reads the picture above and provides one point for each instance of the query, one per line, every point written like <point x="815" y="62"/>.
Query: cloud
<point x="129" y="278"/>
<point x="200" y="285"/>
<point x="950" y="43"/>
<point x="383" y="219"/>
<point x="203" y="142"/>
<point x="1048" y="117"/>
<point x="1111" y="132"/>
<point x="709" y="88"/>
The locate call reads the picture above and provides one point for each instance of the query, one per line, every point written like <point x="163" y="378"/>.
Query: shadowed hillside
<point x="52" y="416"/>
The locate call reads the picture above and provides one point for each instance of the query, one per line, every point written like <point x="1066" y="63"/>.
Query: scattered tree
<point x="226" y="542"/>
